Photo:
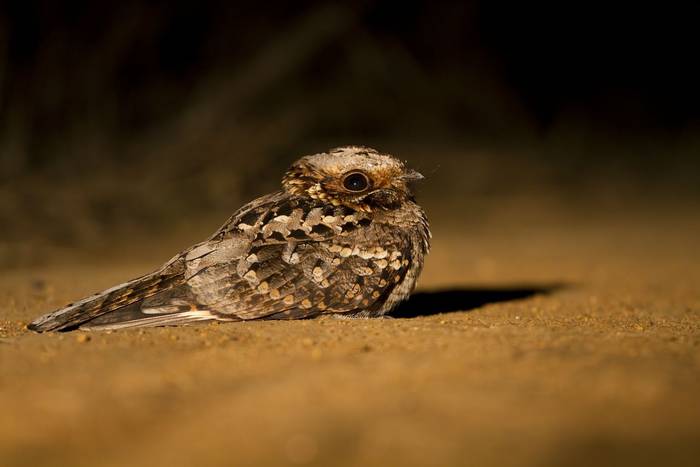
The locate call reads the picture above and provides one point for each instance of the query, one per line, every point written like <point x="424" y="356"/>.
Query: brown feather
<point x="315" y="247"/>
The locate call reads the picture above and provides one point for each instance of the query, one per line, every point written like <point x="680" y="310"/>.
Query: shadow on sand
<point x="451" y="300"/>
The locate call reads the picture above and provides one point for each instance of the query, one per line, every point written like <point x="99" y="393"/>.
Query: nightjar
<point x="344" y="236"/>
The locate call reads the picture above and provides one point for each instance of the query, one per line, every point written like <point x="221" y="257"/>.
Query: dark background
<point x="131" y="117"/>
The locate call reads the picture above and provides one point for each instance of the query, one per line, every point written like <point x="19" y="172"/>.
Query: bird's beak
<point x="412" y="175"/>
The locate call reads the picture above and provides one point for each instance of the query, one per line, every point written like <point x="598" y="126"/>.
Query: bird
<point x="344" y="237"/>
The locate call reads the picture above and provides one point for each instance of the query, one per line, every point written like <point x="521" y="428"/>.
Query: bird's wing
<point x="276" y="257"/>
<point x="294" y="258"/>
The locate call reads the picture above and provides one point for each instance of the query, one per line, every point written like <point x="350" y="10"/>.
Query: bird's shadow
<point x="465" y="299"/>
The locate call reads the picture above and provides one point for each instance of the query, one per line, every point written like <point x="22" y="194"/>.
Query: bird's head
<point x="354" y="176"/>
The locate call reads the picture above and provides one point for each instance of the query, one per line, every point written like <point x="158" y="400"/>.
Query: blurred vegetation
<point x="124" y="117"/>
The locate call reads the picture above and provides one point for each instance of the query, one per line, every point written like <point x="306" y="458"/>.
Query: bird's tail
<point x="120" y="298"/>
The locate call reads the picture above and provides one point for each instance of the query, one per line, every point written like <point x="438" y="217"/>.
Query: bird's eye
<point x="355" y="181"/>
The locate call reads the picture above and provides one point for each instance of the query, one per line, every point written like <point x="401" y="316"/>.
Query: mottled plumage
<point x="344" y="235"/>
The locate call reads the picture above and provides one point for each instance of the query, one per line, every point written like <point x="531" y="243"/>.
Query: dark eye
<point x="356" y="181"/>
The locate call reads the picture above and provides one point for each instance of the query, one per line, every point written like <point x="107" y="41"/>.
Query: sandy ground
<point x="535" y="340"/>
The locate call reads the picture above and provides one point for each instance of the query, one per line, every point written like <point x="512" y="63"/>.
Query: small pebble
<point x="82" y="338"/>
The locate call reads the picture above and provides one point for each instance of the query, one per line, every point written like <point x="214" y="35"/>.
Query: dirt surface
<point x="535" y="340"/>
